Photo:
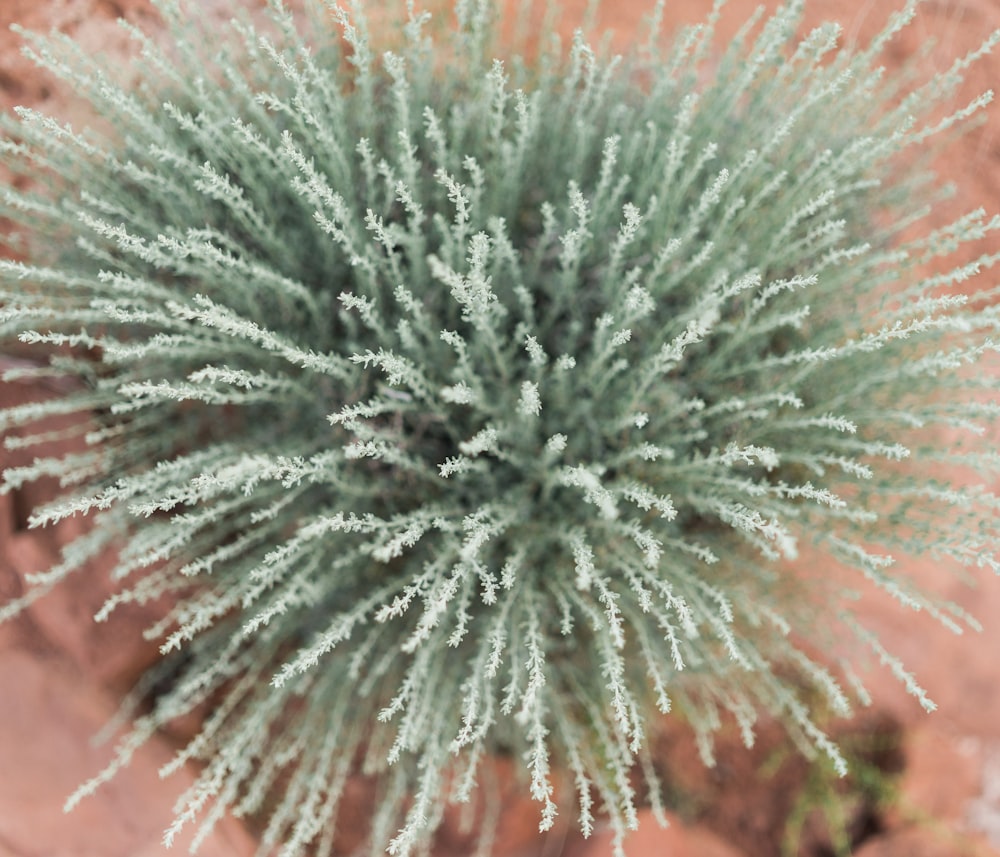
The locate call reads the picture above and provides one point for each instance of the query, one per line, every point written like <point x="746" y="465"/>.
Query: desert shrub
<point x="455" y="404"/>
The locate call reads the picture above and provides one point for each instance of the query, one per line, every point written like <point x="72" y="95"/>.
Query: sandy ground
<point x="60" y="674"/>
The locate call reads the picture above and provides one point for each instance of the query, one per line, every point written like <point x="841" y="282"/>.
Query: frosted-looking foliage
<point x="452" y="404"/>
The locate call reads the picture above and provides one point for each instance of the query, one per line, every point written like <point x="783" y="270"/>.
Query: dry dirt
<point x="59" y="673"/>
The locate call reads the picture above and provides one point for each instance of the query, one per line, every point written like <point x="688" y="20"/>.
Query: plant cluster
<point x="456" y="404"/>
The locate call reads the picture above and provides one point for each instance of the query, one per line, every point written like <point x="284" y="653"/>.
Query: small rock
<point x="924" y="787"/>
<point x="651" y="840"/>
<point x="46" y="726"/>
<point x="983" y="813"/>
<point x="924" y="841"/>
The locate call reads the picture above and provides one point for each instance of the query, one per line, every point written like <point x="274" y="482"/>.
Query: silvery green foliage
<point x="456" y="406"/>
